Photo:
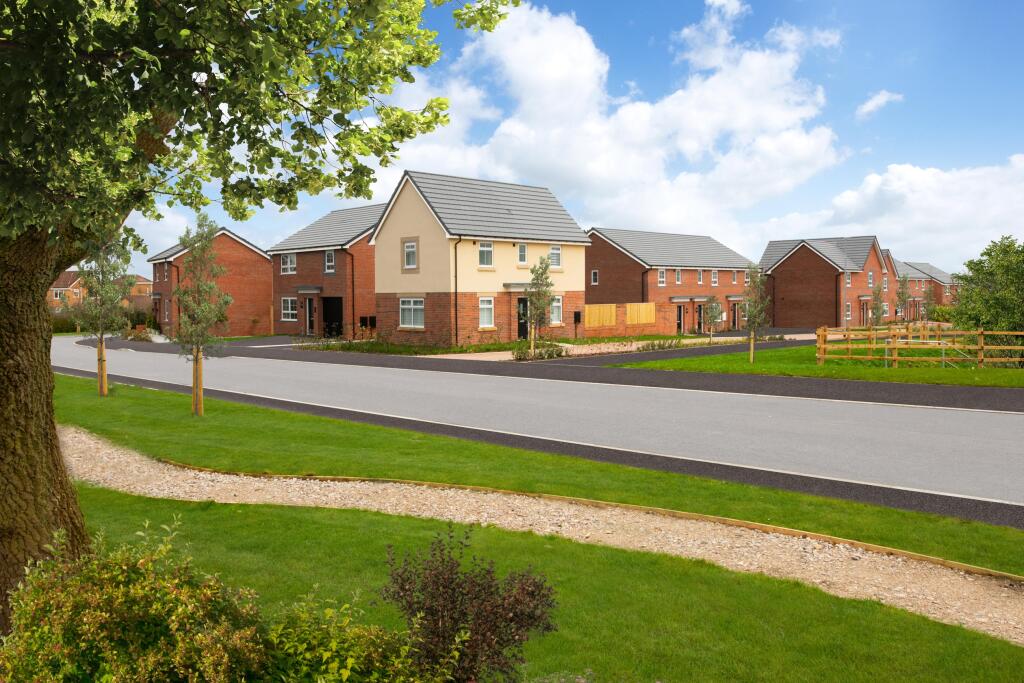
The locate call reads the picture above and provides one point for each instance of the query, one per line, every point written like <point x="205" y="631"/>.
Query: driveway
<point x="952" y="452"/>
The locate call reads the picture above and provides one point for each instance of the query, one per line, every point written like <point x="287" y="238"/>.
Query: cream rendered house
<point x="453" y="258"/>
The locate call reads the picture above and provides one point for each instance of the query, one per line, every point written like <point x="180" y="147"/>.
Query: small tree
<point x="877" y="306"/>
<point x="903" y="295"/>
<point x="106" y="284"/>
<point x="711" y="315"/>
<point x="928" y="307"/>
<point x="203" y="306"/>
<point x="757" y="304"/>
<point x="539" y="298"/>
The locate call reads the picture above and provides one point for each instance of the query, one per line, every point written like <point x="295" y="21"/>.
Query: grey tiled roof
<point x="847" y="253"/>
<point x="670" y="250"/>
<point x="336" y="229"/>
<point x="171" y="252"/>
<point x="486" y="208"/>
<point x="933" y="272"/>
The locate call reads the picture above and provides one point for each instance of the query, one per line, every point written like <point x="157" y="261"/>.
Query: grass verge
<point x="242" y="438"/>
<point x="625" y="616"/>
<point x="800" y="361"/>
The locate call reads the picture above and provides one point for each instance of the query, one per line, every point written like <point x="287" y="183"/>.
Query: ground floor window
<point x="410" y="313"/>
<point x="885" y="309"/>
<point x="486" y="311"/>
<point x="289" y="309"/>
<point x="849" y="310"/>
<point x="556" y="310"/>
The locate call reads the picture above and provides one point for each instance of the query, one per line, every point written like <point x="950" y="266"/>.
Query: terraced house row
<point x="446" y="261"/>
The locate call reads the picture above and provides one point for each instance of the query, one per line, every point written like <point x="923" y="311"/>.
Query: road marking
<point x="611" y="448"/>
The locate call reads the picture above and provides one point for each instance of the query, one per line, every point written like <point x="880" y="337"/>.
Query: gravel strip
<point x="991" y="605"/>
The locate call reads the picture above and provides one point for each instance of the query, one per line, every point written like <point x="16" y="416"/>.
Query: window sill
<point x="412" y="329"/>
<point x="487" y="329"/>
<point x="557" y="325"/>
<point x="489" y="268"/>
<point x="292" y="273"/>
<point x="286" y="320"/>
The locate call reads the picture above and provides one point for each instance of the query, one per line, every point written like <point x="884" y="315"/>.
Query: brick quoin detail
<point x="247" y="279"/>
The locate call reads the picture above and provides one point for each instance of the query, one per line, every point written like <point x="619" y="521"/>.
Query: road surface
<point x="966" y="453"/>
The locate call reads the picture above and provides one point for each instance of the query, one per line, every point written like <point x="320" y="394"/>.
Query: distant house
<point x="453" y="258"/>
<point x="636" y="266"/>
<point x="323" y="275"/>
<point x="943" y="285"/>
<point x="141" y="295"/>
<point x="247" y="279"/>
<point x="828" y="281"/>
<point x="65" y="291"/>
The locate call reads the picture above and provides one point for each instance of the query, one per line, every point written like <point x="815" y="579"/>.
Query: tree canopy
<point x="111" y="106"/>
<point x="991" y="288"/>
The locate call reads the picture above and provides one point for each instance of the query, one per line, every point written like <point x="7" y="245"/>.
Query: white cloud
<point x="922" y="214"/>
<point x="876" y="102"/>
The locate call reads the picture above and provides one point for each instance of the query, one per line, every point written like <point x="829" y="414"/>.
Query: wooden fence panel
<point x="640" y="314"/>
<point x="599" y="315"/>
<point x="956" y="346"/>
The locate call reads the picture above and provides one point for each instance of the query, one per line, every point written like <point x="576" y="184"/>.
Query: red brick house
<point x="828" y="281"/>
<point x="247" y="278"/>
<point x="453" y="258"/>
<point x="66" y="290"/>
<point x="943" y="285"/>
<point x="323" y="275"/>
<point x="684" y="271"/>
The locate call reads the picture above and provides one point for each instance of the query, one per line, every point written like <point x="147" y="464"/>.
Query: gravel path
<point x="991" y="605"/>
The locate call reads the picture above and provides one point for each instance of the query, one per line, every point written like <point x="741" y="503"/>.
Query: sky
<point x="743" y="120"/>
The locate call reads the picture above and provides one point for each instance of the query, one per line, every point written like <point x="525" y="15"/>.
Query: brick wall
<point x="664" y="323"/>
<point x="620" y="277"/>
<point x="803" y="291"/>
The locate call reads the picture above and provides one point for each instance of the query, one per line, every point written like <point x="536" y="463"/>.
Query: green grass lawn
<point x="800" y="361"/>
<point x="237" y="437"/>
<point x="626" y="616"/>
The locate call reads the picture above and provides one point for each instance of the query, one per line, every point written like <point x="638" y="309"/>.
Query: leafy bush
<point x="319" y="642"/>
<point x="137" y="335"/>
<point x="139" y="316"/>
<point x="445" y="599"/>
<point x="134" y="613"/>
<point x="941" y="314"/>
<point x="543" y="351"/>
<point x="63" y="322"/>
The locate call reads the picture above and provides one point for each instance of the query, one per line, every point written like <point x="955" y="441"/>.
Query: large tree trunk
<point x="36" y="495"/>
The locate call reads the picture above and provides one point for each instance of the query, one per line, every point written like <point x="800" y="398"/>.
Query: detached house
<point x="66" y="290"/>
<point x="685" y="271"/>
<point x="943" y="285"/>
<point x="324" y="275"/>
<point x="246" y="278"/>
<point x="827" y="281"/>
<point x="453" y="258"/>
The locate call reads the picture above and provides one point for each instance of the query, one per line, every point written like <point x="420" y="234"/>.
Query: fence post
<point x="896" y="351"/>
<point x="872" y="340"/>
<point x="981" y="348"/>
<point x="821" y="345"/>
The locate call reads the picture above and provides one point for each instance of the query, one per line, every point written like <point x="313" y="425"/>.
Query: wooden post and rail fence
<point x="920" y="344"/>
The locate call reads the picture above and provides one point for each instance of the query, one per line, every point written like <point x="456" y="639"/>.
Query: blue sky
<point x="734" y="119"/>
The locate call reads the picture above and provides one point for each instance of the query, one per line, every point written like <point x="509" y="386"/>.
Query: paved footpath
<point x="963" y="453"/>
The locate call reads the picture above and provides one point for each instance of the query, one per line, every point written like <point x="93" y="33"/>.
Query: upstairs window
<point x="734" y="277"/>
<point x="486" y="257"/>
<point x="329" y="261"/>
<point x="746" y="281"/>
<point x="885" y="284"/>
<point x="714" y="278"/>
<point x="871" y="278"/>
<point x="679" y="276"/>
<point x="523" y="256"/>
<point x="593" y="277"/>
<point x="410" y="255"/>
<point x="849" y="279"/>
<point x="556" y="256"/>
<point x="287" y="264"/>
<point x="661" y="277"/>
<point x="700" y="277"/>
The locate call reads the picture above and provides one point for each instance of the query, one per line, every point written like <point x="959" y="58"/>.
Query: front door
<point x="310" y="315"/>
<point x="332" y="315"/>
<point x="863" y="313"/>
<point x="700" y="318"/>
<point x="735" y="322"/>
<point x="522" y="306"/>
<point x="679" y="319"/>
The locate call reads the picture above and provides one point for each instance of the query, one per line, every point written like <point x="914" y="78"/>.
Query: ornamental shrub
<point x="132" y="613"/>
<point x="446" y="598"/>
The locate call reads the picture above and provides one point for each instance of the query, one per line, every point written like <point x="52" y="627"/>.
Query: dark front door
<point x="332" y="315"/>
<point x="735" y="316"/>
<point x="700" y="317"/>
<point x="864" y="314"/>
<point x="310" y="315"/>
<point x="679" y="319"/>
<point x="522" y="306"/>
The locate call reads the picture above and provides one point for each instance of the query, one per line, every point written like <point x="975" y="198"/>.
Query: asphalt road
<point x="952" y="452"/>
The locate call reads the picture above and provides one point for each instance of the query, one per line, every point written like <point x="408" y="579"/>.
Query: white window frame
<point x="485" y="248"/>
<point x="714" y="278"/>
<point x="746" y="281"/>
<point x="524" y="254"/>
<point x="330" y="261"/>
<point x="849" y="279"/>
<point x="849" y="311"/>
<point x="556" y="305"/>
<point x="167" y="271"/>
<point x="406" y="251"/>
<point x="885" y="283"/>
<point x="555" y="255"/>
<point x="411" y="305"/>
<point x="594" y="278"/>
<point x="486" y="306"/>
<point x="167" y="310"/>
<point x="734" y="277"/>
<point x="56" y="294"/>
<point x="700" y="276"/>
<point x="871" y="278"/>
<point x="661" y="277"/>
<point x="289" y="312"/>
<point x="946" y="289"/>
<point x="885" y="309"/>
<point x="679" y="276"/>
<point x="289" y="262"/>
